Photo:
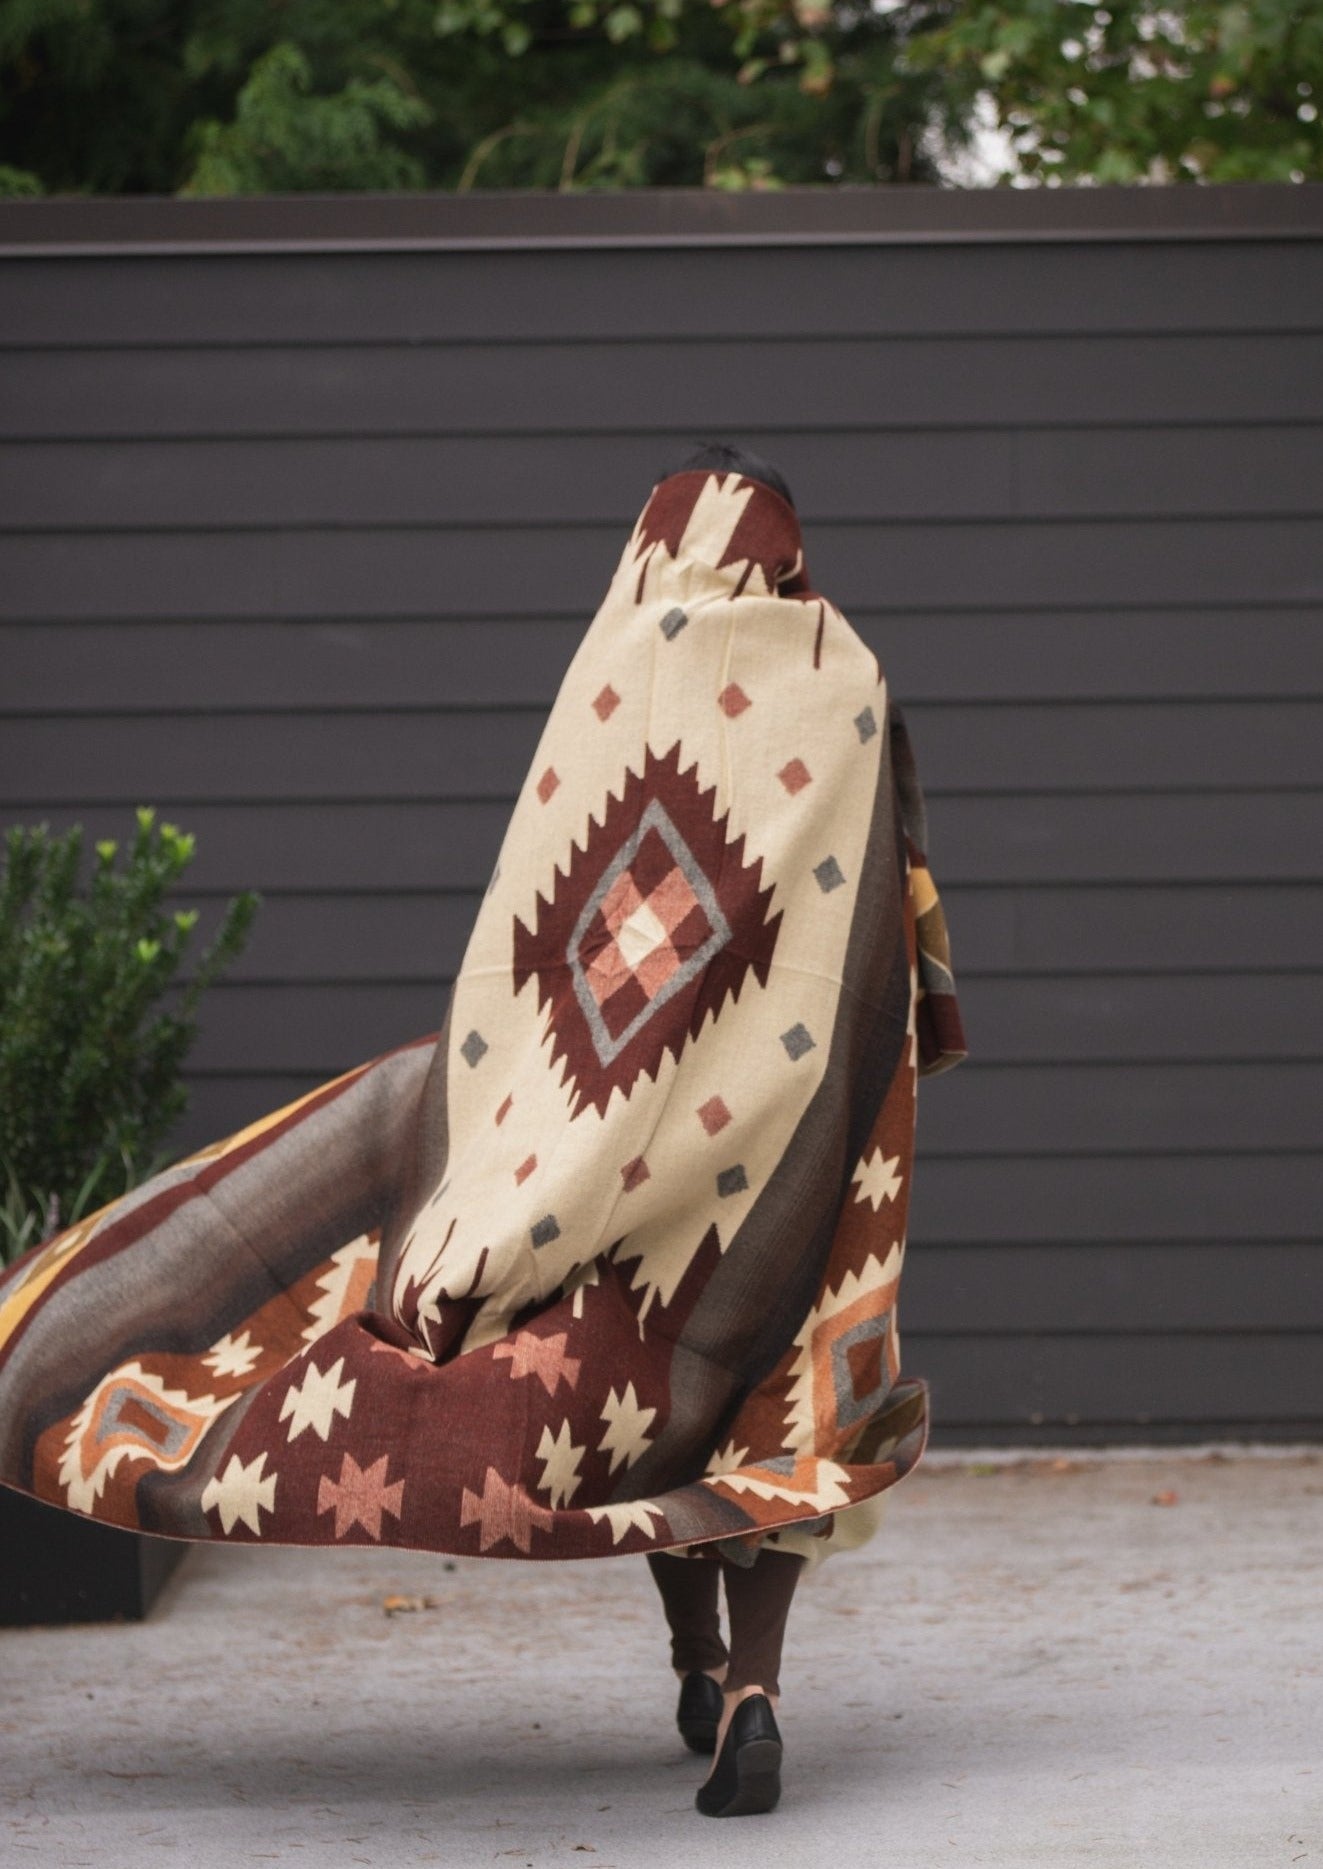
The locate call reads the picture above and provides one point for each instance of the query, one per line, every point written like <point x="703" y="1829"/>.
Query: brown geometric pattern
<point x="653" y="924"/>
<point x="464" y="1297"/>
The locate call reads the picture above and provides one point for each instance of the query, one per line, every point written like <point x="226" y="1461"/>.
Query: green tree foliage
<point x="223" y="96"/>
<point x="1127" y="92"/>
<point x="226" y="96"/>
<point x="282" y="138"/>
<point x="89" y="1059"/>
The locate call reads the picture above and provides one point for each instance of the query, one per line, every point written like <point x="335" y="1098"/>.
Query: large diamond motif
<point x="654" y="924"/>
<point x="631" y="951"/>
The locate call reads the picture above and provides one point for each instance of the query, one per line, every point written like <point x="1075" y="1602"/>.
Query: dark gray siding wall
<point x="297" y="544"/>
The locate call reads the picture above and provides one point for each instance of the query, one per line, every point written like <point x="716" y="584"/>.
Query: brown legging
<point x="757" y="1601"/>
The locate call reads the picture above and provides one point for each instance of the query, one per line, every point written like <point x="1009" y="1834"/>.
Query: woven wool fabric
<point x="610" y="1262"/>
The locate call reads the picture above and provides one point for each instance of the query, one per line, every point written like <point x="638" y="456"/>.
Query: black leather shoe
<point x="699" y="1711"/>
<point x="747" y="1775"/>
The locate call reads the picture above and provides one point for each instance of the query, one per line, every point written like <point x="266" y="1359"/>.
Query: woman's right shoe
<point x="746" y="1778"/>
<point x="699" y="1712"/>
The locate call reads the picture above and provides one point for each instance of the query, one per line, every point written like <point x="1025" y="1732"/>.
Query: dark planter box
<point x="57" y="1566"/>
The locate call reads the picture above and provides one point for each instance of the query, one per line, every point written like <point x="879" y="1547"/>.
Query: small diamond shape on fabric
<point x="474" y="1049"/>
<point x="546" y="1230"/>
<point x="797" y="1041"/>
<point x="547" y="784"/>
<point x="713" y="1115"/>
<point x="672" y="623"/>
<point x="732" y="700"/>
<point x="634" y="1174"/>
<point x="865" y="725"/>
<point x="829" y="875"/>
<point x="732" y="1180"/>
<point x="795" y="776"/>
<point x="606" y="703"/>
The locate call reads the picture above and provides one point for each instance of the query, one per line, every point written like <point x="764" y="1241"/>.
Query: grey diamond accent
<point x="655" y="818"/>
<point x="829" y="876"/>
<point x="732" y="1180"/>
<point x="672" y="623"/>
<point x="546" y="1230"/>
<point x="797" y="1041"/>
<point x="850" y="1407"/>
<point x="865" y="725"/>
<point x="474" y="1049"/>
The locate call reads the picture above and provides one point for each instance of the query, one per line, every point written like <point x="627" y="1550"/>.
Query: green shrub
<point x="90" y="1057"/>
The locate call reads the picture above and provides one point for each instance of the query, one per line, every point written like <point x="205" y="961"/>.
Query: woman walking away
<point x="609" y="1262"/>
<point x="728" y="1696"/>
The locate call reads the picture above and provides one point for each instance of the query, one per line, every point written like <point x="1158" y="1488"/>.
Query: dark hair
<point x="723" y="458"/>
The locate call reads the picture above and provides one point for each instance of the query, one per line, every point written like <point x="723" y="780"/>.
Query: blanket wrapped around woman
<point x="610" y="1262"/>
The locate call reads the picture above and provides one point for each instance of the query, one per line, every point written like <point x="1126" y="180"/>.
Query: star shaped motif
<point x="626" y="1427"/>
<point x="241" y="1492"/>
<point x="560" y="1464"/>
<point x="728" y="1459"/>
<point x="543" y="1357"/>
<point x="503" y="1512"/>
<point x="360" y="1496"/>
<point x="233" y="1356"/>
<point x="632" y="1514"/>
<point x="876" y="1180"/>
<point x="318" y="1400"/>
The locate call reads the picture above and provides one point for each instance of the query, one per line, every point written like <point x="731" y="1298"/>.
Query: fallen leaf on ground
<point x="1167" y="1498"/>
<point x="403" y="1605"/>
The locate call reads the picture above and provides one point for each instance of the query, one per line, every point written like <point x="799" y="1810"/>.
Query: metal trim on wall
<point x="533" y="220"/>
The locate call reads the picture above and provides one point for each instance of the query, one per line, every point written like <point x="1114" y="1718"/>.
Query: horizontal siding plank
<point x="900" y="474"/>
<point x="1170" y="1197"/>
<point x="1117" y="1018"/>
<point x="300" y="939"/>
<point x="528" y="570"/>
<point x="1270" y="837"/>
<point x="1257" y="1376"/>
<point x="417" y="297"/>
<point x="439" y="755"/>
<point x="1155" y="836"/>
<point x="393" y="936"/>
<point x="1112" y="1286"/>
<point x="1062" y="1108"/>
<point x="1083" y="1438"/>
<point x="1107" y="746"/>
<point x="1084" y="929"/>
<point x="222" y="1103"/>
<point x="584" y="411"/>
<point x="1083" y="655"/>
<point x="1145" y="1016"/>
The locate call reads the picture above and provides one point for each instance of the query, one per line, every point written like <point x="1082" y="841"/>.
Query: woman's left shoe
<point x="746" y="1778"/>
<point x="699" y="1711"/>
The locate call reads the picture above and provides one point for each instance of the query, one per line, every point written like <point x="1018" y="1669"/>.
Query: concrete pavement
<point x="1030" y="1665"/>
